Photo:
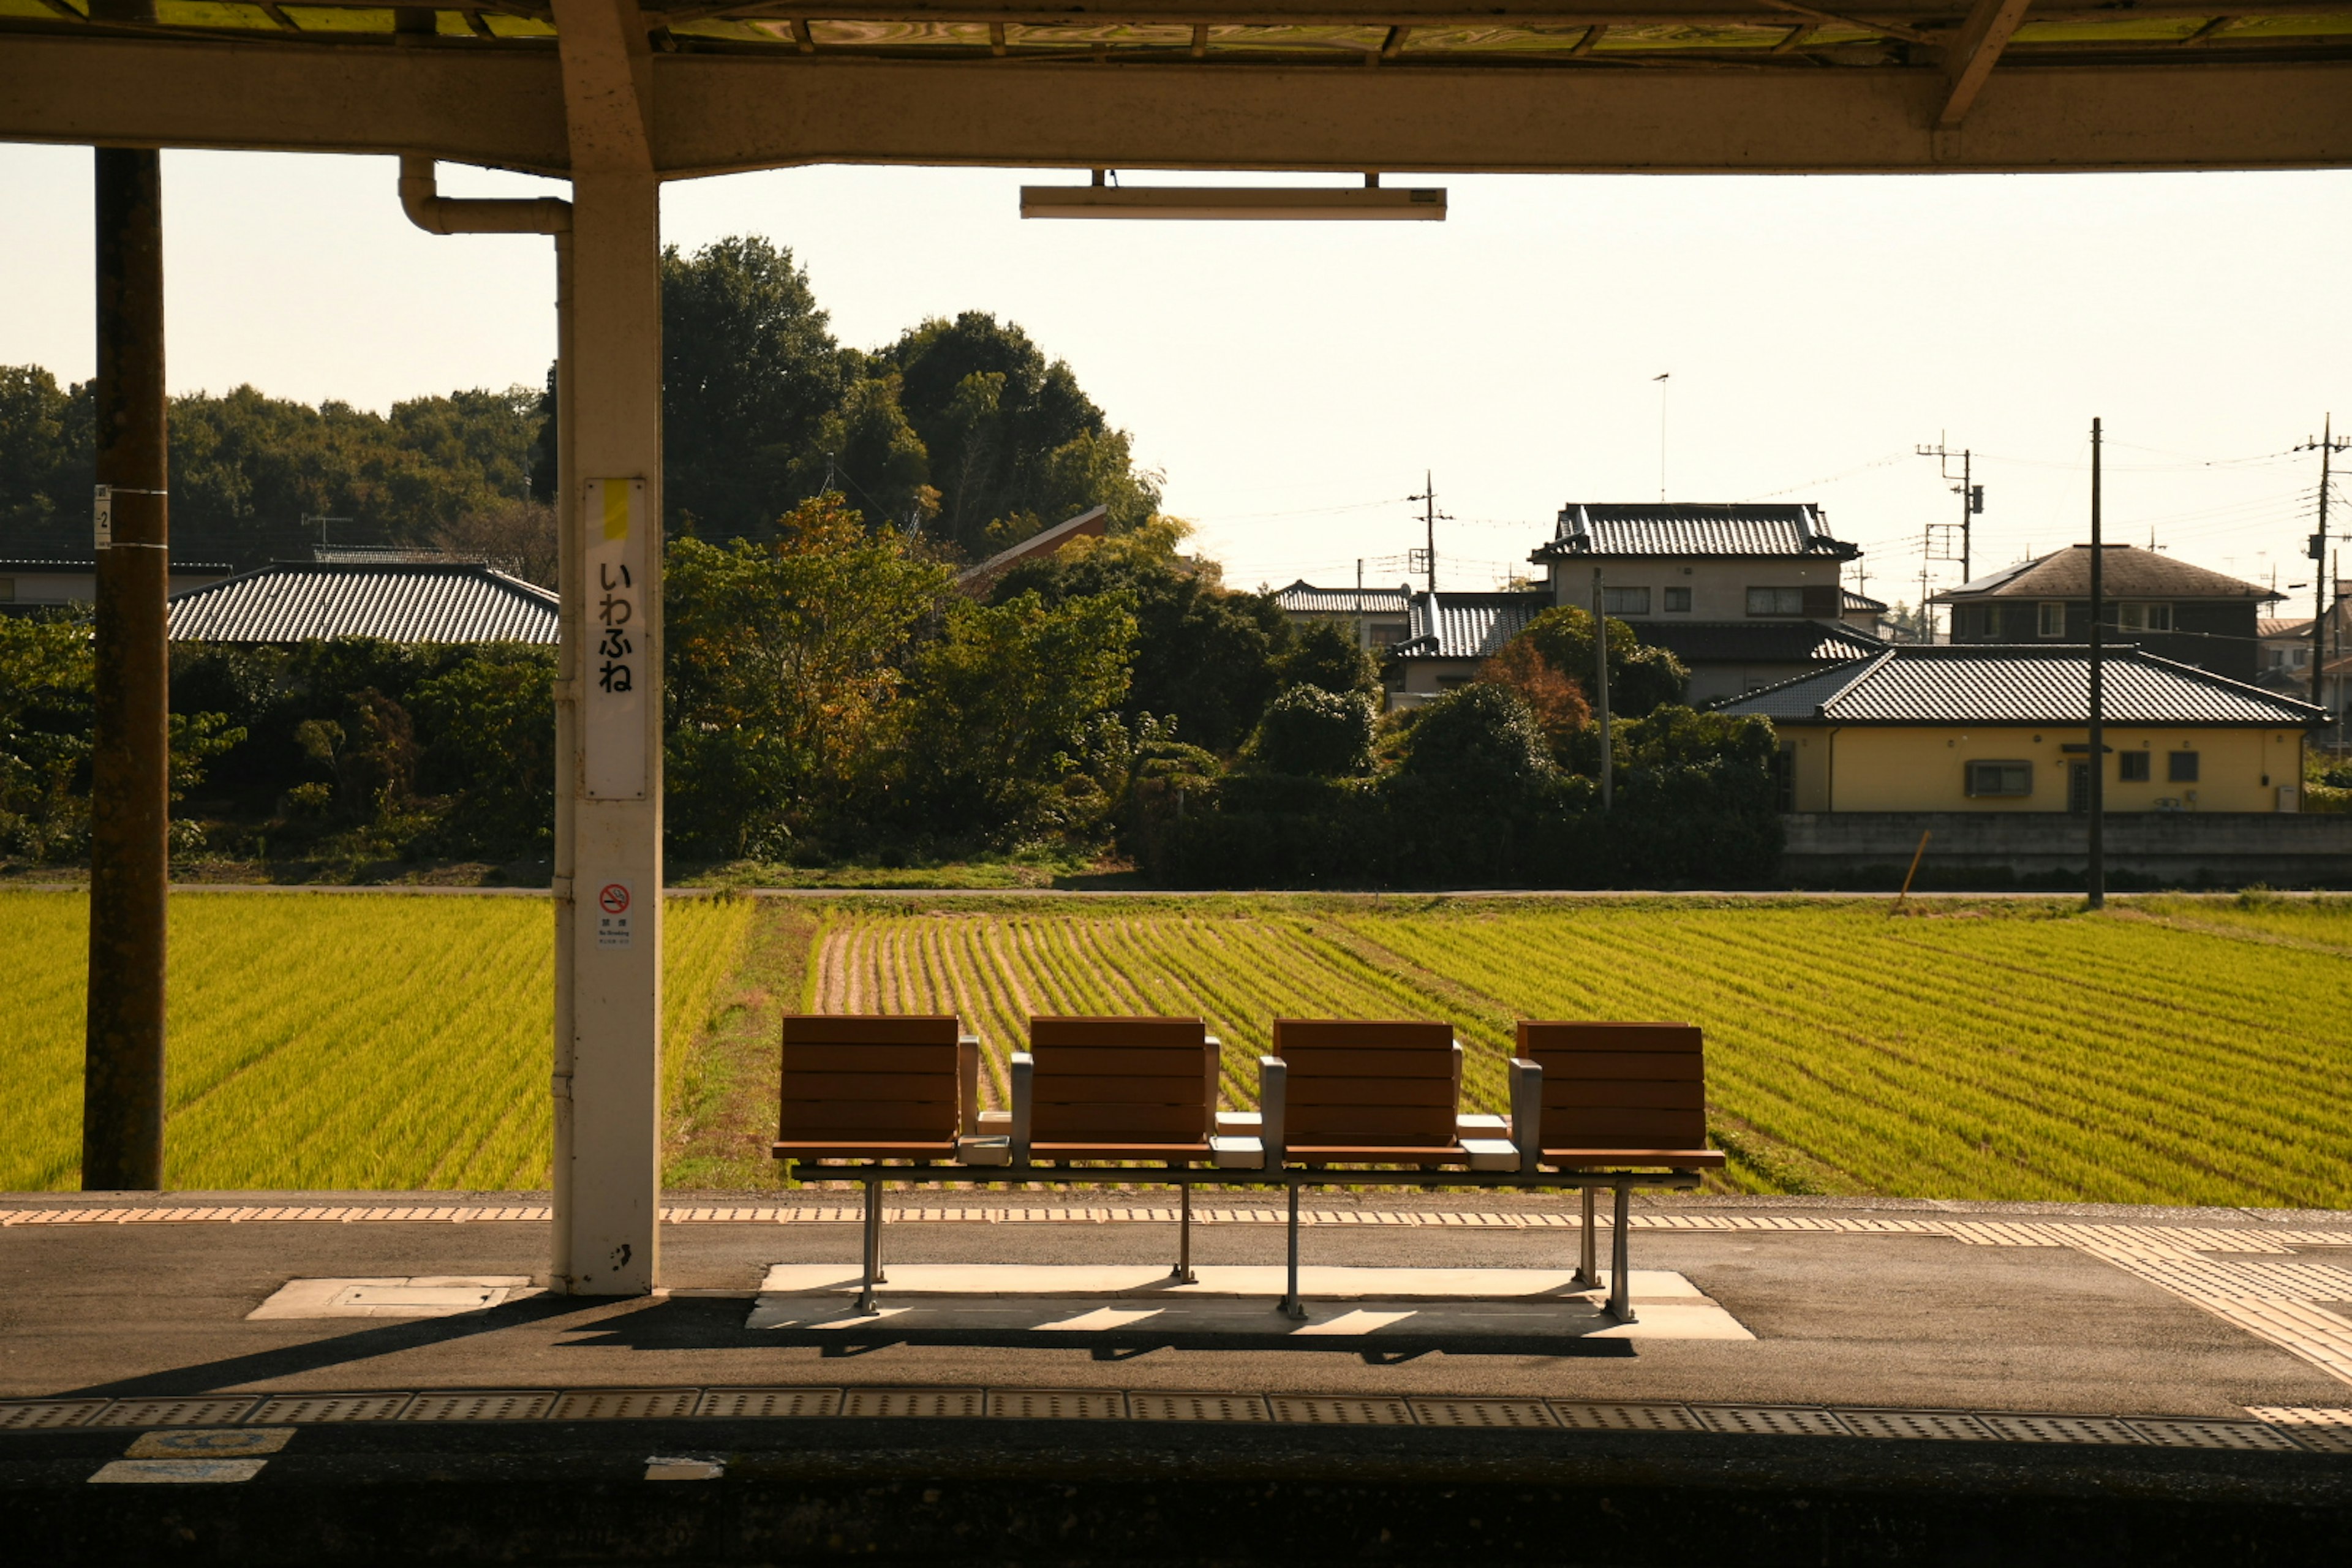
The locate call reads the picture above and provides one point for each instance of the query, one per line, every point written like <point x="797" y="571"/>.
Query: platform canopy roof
<point x="1336" y="85"/>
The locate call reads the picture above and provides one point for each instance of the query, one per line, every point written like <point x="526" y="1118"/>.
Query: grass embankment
<point x="2172" y="1051"/>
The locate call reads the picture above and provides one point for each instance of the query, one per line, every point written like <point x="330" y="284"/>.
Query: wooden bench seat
<point x="871" y="1088"/>
<point x="1621" y="1094"/>
<point x="1365" y="1092"/>
<point x="1114" y="1088"/>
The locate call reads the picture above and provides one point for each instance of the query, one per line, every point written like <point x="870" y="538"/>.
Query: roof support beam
<point x="718" y="113"/>
<point x="1974" y="53"/>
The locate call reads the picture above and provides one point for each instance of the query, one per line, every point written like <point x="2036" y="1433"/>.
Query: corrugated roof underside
<point x="411" y="606"/>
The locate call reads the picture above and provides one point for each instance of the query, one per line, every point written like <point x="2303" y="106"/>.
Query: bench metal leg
<point x="1291" y="1305"/>
<point x="1184" y="1274"/>
<point x="1621" y="1274"/>
<point x="1587" y="1273"/>
<point x="872" y="1274"/>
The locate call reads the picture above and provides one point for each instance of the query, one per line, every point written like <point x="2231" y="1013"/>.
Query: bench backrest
<point x="1121" y="1081"/>
<point x="869" y="1079"/>
<point x="1620" y="1085"/>
<point x="1367" y="1083"/>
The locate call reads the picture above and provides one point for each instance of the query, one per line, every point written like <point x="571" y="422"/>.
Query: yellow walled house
<point x="1981" y="727"/>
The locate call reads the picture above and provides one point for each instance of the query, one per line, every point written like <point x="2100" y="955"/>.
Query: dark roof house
<point x="413" y="602"/>
<point x="1448" y="636"/>
<point x="2181" y="611"/>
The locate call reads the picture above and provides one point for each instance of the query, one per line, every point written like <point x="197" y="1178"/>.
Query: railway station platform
<point x="1811" y="1380"/>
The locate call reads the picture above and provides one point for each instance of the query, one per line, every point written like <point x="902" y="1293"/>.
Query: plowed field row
<point x="2007" y="1053"/>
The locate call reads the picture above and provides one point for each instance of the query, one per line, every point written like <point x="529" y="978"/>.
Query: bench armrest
<point x="1527" y="1112"/>
<point x="968" y="1084"/>
<point x="1024" y="1074"/>
<point x="1273" y="1079"/>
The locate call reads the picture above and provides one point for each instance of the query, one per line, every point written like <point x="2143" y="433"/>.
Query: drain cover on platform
<point x="1316" y="1410"/>
<point x="1197" y="1407"/>
<point x="503" y="1404"/>
<point x="1058" y="1404"/>
<point x="1946" y="1425"/>
<point x="1482" y="1413"/>
<point x="626" y="1404"/>
<point x="2177" y="1433"/>
<point x="412" y="1296"/>
<point x="949" y="1402"/>
<point x="304" y="1408"/>
<point x="2061" y="1428"/>
<point x="763" y="1403"/>
<point x="41" y="1416"/>
<point x="175" y="1411"/>
<point x="1771" y="1420"/>
<point x="1626" y="1417"/>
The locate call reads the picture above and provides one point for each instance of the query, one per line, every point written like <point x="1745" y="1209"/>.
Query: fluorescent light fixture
<point x="1346" y="204"/>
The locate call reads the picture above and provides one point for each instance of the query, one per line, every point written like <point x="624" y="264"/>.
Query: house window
<point x="1452" y="682"/>
<point x="2010" y="778"/>
<point x="2053" y="620"/>
<point x="1776" y="601"/>
<point x="2180" y="767"/>
<point x="1784" y="772"/>
<point x="2131" y="767"/>
<point x="1624" y="601"/>
<point x="2144" y="618"/>
<point x="1384" y="634"/>
<point x="1678" y="601"/>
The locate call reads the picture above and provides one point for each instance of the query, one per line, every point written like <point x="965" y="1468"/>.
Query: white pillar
<point x="608" y="850"/>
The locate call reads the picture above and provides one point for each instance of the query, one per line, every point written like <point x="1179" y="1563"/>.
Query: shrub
<point x="1316" y="733"/>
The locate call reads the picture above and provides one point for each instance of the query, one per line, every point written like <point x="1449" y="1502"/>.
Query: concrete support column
<point x="608" y="881"/>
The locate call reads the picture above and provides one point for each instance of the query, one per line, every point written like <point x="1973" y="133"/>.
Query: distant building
<point x="2170" y="607"/>
<point x="292" y="602"/>
<point x="1990" y="728"/>
<point x="1376" y="616"/>
<point x="2284" y="660"/>
<point x="29" y="586"/>
<point x="1744" y="594"/>
<point x="1448" y="636"/>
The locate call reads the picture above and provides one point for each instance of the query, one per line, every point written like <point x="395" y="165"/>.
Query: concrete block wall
<point x="1995" y="850"/>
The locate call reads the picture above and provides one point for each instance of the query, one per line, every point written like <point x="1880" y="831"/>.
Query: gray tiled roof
<point x="291" y="602"/>
<point x="1851" y="600"/>
<point x="1468" y="625"/>
<point x="1303" y="598"/>
<point x="1757" y="642"/>
<point x="1691" y="528"/>
<point x="1991" y="684"/>
<point x="2124" y="572"/>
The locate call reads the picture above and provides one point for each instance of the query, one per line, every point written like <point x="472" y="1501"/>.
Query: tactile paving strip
<point x="1057" y="1403"/>
<point x="2100" y="1429"/>
<point x="501" y="1404"/>
<point x="770" y="1404"/>
<point x="949" y="1403"/>
<point x="1319" y="1410"/>
<point x="2173" y="1432"/>
<point x="2327" y="1430"/>
<point x="626" y="1404"/>
<point x="1944" y="1425"/>
<point x="175" y="1411"/>
<point x="1626" y="1417"/>
<point x="299" y="1409"/>
<point x="1771" y="1420"/>
<point x="1197" y="1407"/>
<point x="45" y="1415"/>
<point x="1497" y="1413"/>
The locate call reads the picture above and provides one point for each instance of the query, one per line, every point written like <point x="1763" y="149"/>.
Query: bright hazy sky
<point x="1294" y="381"/>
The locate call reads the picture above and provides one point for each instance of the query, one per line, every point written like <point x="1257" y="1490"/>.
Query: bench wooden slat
<point x="846" y="1086"/>
<point x="869" y="1029"/>
<point x="1119" y="1150"/>
<point x="1580" y="1036"/>
<point x="855" y="1147"/>
<point x="1671" y="1159"/>
<point x="1133" y="1033"/>
<point x="1327" y="1062"/>
<point x="1645" y="1094"/>
<point x="1077" y="1088"/>
<point x="1602" y="1065"/>
<point x="1360" y="1035"/>
<point x="1429" y="1092"/>
<point x="1594" y="1127"/>
<point x="868" y="1058"/>
<point x="1377" y="1153"/>
<point x="1103" y="1122"/>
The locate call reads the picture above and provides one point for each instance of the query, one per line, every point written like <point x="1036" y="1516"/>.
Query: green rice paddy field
<point x="2167" y="1051"/>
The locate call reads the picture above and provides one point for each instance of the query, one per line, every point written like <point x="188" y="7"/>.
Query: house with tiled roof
<point x="290" y="602"/>
<point x="1989" y="728"/>
<point x="1744" y="593"/>
<point x="2171" y="607"/>
<point x="1376" y="617"/>
<point x="1448" y="636"/>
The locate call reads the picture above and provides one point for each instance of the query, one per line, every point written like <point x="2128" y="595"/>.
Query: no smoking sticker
<point x="613" y="915"/>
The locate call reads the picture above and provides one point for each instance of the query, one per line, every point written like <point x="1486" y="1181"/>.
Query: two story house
<point x="1744" y="594"/>
<point x="2170" y="607"/>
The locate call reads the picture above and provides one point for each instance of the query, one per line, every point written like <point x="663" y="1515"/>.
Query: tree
<point x="1639" y="676"/>
<point x="866" y="446"/>
<point x="1315" y="733"/>
<point x="515" y="536"/>
<point x="784" y="663"/>
<point x="1480" y="741"/>
<point x="46" y="460"/>
<point x="750" y="370"/>
<point x="1205" y="658"/>
<point x="1013" y="441"/>
<point x="1324" y="653"/>
<point x="1557" y="703"/>
<point x="1005" y="702"/>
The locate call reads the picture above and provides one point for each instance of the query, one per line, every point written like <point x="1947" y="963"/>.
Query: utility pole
<point x="1359" y="604"/>
<point x="2327" y="445"/>
<point x="1601" y="686"/>
<point x="1429" y="517"/>
<point x="1971" y="496"/>
<point x="2096" y="876"/>
<point x="129" y="864"/>
<point x="1662" y="382"/>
